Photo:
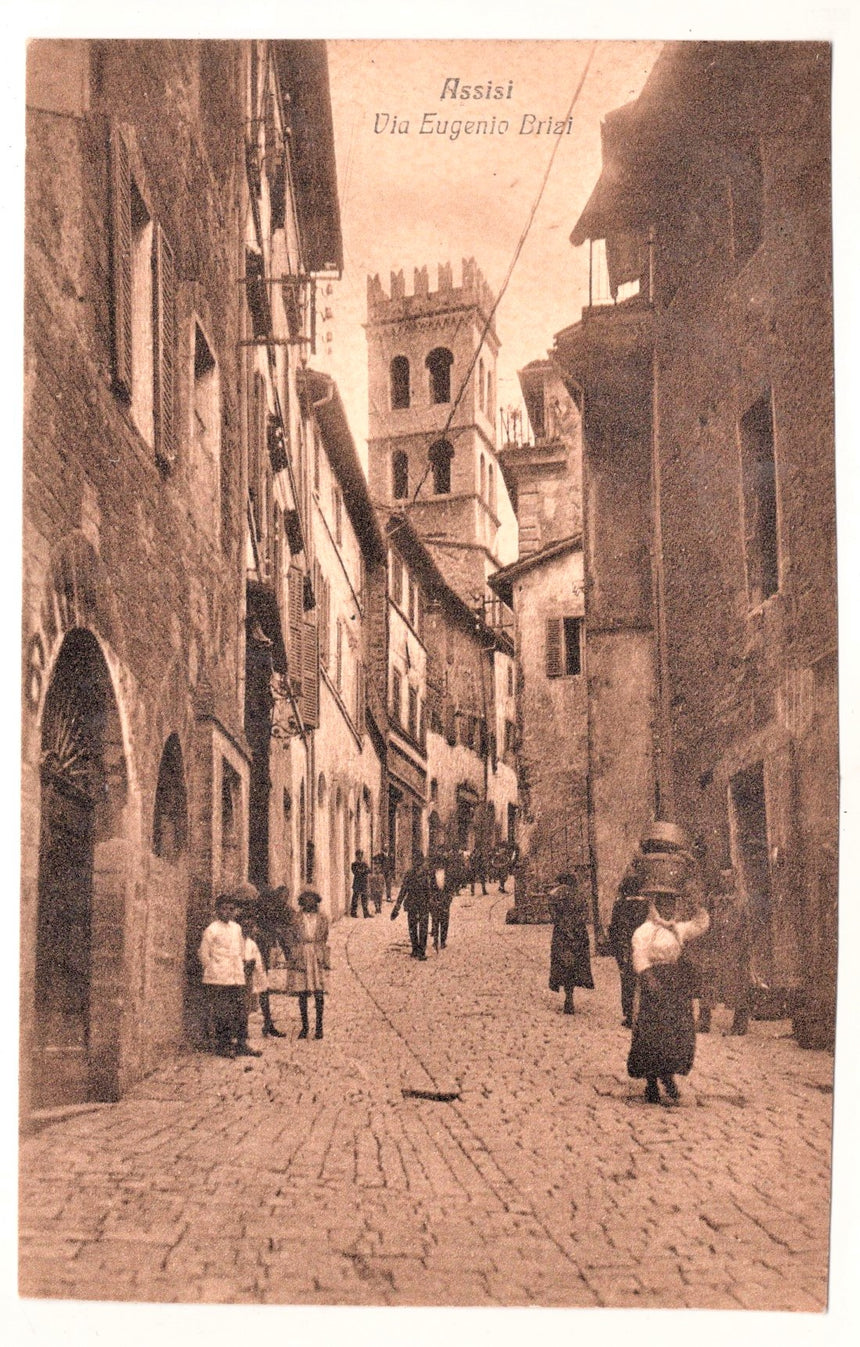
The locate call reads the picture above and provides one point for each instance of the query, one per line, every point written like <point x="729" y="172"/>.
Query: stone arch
<point x="82" y="873"/>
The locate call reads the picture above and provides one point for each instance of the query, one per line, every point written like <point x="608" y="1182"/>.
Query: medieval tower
<point x="432" y="410"/>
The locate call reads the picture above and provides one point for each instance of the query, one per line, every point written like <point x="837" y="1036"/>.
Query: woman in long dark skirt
<point x="570" y="953"/>
<point x="664" y="1031"/>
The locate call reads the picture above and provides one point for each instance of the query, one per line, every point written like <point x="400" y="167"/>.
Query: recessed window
<point x="399" y="475"/>
<point x="758" y="469"/>
<point x="439" y="363"/>
<point x="563" y="647"/>
<point x="399" y="381"/>
<point x="440" y="456"/>
<point x="206" y="429"/>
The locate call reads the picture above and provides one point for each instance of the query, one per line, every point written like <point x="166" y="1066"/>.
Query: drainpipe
<point x="664" y="785"/>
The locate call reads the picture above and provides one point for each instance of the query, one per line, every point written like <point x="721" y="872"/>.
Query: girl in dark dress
<point x="664" y="1032"/>
<point x="570" y="954"/>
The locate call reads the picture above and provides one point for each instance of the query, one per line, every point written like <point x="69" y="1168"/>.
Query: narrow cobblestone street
<point x="312" y="1175"/>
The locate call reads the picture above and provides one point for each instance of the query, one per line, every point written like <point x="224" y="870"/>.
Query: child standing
<point x="221" y="953"/>
<point x="309" y="958"/>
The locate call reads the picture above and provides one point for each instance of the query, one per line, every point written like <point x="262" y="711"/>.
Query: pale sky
<point x="409" y="200"/>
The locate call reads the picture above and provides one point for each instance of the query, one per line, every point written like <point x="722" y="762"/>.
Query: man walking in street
<point x="360" y="872"/>
<point x="628" y="913"/>
<point x="414" y="896"/>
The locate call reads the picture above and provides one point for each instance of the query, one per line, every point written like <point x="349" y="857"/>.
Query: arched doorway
<point x="81" y="913"/>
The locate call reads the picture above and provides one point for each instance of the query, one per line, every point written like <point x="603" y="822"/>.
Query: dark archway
<point x="81" y="916"/>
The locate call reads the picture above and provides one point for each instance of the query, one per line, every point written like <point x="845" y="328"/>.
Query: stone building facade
<point x="708" y="394"/>
<point x="545" y="590"/>
<point x="349" y="746"/>
<point x="450" y="785"/>
<point x="156" y="176"/>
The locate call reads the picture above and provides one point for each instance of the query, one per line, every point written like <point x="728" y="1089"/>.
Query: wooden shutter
<point x="554" y="653"/>
<point x="310" y="675"/>
<point x="324" y="622"/>
<point x="360" y="696"/>
<point x="121" y="261"/>
<point x="296" y="599"/>
<point x="164" y="347"/>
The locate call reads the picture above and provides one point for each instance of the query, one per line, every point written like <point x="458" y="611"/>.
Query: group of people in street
<point x="236" y="955"/>
<point x="661" y="910"/>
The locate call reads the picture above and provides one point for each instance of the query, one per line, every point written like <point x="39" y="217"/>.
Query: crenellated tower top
<point x="397" y="305"/>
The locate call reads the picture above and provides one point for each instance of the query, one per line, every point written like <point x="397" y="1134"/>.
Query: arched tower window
<point x="481" y="384"/>
<point x="399" y="372"/>
<point x="488" y="406"/>
<point x="491" y="483"/>
<point x="439" y="363"/>
<point x="399" y="475"/>
<point x="483" y="478"/>
<point x="440" y="456"/>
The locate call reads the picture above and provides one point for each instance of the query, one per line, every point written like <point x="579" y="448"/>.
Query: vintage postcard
<point x="429" y="519"/>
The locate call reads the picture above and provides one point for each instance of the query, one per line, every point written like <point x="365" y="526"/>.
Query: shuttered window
<point x="338" y="672"/>
<point x="121" y="262"/>
<point x="310" y="675"/>
<point x="143" y="286"/>
<point x="563" y="646"/>
<point x="164" y="341"/>
<point x="554" y="665"/>
<point x="296" y="619"/>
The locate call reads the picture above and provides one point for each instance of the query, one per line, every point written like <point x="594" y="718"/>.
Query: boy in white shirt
<point x="222" y="954"/>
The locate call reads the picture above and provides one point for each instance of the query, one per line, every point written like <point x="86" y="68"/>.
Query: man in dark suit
<point x="414" y="896"/>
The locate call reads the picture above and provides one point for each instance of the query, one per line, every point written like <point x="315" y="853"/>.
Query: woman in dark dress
<point x="664" y="1032"/>
<point x="570" y="954"/>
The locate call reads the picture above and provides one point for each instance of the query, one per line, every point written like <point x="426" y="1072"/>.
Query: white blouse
<point x="657" y="941"/>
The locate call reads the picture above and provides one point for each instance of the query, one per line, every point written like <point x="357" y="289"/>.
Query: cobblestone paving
<point x="308" y="1176"/>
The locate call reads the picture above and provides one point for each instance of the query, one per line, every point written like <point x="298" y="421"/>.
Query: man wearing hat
<point x="664" y="1033"/>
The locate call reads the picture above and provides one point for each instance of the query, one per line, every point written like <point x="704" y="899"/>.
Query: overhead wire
<point x="517" y="251"/>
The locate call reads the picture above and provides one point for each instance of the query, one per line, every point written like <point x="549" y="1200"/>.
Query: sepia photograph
<point x="428" y="518"/>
